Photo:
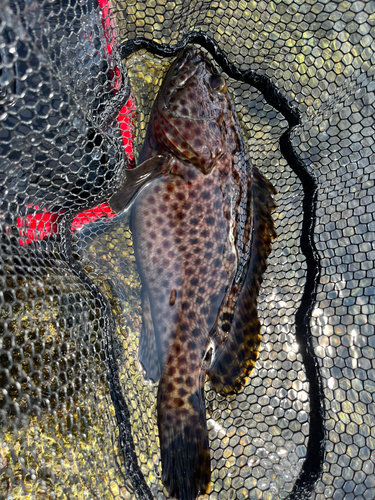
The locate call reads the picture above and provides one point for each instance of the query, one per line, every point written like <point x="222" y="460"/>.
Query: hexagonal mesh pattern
<point x="77" y="418"/>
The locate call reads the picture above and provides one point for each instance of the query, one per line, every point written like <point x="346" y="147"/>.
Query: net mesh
<point x="78" y="421"/>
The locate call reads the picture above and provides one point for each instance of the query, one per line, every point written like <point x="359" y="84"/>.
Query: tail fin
<point x="236" y="358"/>
<point x="185" y="453"/>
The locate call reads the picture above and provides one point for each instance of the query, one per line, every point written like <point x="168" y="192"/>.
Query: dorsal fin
<point x="236" y="358"/>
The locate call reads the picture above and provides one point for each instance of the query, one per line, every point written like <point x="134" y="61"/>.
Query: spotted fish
<point x="202" y="231"/>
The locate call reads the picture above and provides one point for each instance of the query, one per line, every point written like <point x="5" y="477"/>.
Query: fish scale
<point x="202" y="230"/>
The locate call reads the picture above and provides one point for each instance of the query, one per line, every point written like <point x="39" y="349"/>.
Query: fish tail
<point x="236" y="358"/>
<point x="185" y="454"/>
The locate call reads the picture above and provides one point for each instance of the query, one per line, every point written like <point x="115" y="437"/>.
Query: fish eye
<point x="218" y="83"/>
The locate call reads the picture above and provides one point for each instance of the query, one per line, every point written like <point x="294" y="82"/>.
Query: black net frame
<point x="78" y="420"/>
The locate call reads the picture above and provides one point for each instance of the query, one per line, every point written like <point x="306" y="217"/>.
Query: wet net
<point x="77" y="82"/>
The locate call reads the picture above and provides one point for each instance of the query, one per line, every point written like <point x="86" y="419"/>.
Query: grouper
<point x="202" y="231"/>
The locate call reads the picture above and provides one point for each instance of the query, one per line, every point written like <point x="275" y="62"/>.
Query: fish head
<point x="192" y="111"/>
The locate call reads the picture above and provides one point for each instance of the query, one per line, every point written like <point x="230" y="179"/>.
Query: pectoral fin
<point x="136" y="178"/>
<point x="236" y="358"/>
<point x="147" y="352"/>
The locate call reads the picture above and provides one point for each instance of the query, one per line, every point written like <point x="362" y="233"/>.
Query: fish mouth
<point x="185" y="57"/>
<point x="185" y="66"/>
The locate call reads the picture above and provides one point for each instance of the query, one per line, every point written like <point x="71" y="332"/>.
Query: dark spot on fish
<point x="151" y="200"/>
<point x="164" y="232"/>
<point x="194" y="241"/>
<point x="180" y="196"/>
<point x="160" y="270"/>
<point x="201" y="289"/>
<point x="171" y="371"/>
<point x="172" y="298"/>
<point x="210" y="220"/>
<point x="193" y="357"/>
<point x="190" y="293"/>
<point x="217" y="190"/>
<point x="178" y="402"/>
<point x="224" y="274"/>
<point x="166" y="244"/>
<point x="204" y="310"/>
<point x="170" y="188"/>
<point x="226" y="327"/>
<point x="149" y="244"/>
<point x="148" y="223"/>
<point x="208" y="182"/>
<point x="157" y="189"/>
<point x="182" y="392"/>
<point x="187" y="256"/>
<point x="158" y="251"/>
<point x="183" y="338"/>
<point x="197" y="262"/>
<point x="163" y="208"/>
<point x="199" y="300"/>
<point x="196" y="332"/>
<point x="217" y="236"/>
<point x="209" y="244"/>
<point x="184" y="111"/>
<point x="153" y="235"/>
<point x="170" y="387"/>
<point x="185" y="306"/>
<point x="194" y="281"/>
<point x="190" y="381"/>
<point x="189" y="271"/>
<point x="206" y="195"/>
<point x="179" y="380"/>
<point x="182" y="102"/>
<point x="191" y="315"/>
<point x="178" y="280"/>
<point x="211" y="284"/>
<point x="191" y="174"/>
<point x="192" y="345"/>
<point x="197" y="143"/>
<point x="208" y="255"/>
<point x="159" y="220"/>
<point x="204" y="233"/>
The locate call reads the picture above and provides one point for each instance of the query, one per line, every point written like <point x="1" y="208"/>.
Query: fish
<point x="202" y="231"/>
